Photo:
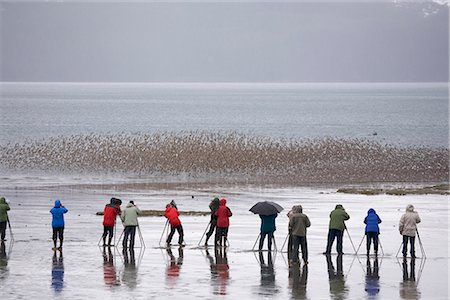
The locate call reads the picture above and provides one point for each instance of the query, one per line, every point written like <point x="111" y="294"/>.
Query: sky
<point x="224" y="41"/>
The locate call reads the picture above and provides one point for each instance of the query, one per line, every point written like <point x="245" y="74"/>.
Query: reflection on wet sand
<point x="174" y="265"/>
<point x="298" y="281"/>
<point x="129" y="276"/>
<point x="3" y="261"/>
<point x="408" y="287"/>
<point x="109" y="269"/>
<point x="372" y="278"/>
<point x="220" y="270"/>
<point x="267" y="286"/>
<point x="338" y="289"/>
<point x="57" y="271"/>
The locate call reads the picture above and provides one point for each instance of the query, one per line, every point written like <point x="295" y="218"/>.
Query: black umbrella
<point x="266" y="208"/>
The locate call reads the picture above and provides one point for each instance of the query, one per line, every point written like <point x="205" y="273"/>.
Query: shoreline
<point x="36" y="182"/>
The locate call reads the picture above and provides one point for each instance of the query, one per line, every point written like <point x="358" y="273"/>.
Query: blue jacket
<point x="268" y="223"/>
<point x="58" y="214"/>
<point x="372" y="220"/>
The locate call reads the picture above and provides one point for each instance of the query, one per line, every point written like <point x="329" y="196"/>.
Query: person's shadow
<point x="298" y="280"/>
<point x="174" y="267"/>
<point x="338" y="289"/>
<point x="267" y="283"/>
<point x="109" y="270"/>
<point x="3" y="261"/>
<point x="57" y="271"/>
<point x="129" y="276"/>
<point x="220" y="270"/>
<point x="372" y="286"/>
<point x="408" y="287"/>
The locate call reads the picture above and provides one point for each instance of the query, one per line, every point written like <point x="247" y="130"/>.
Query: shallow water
<point x="30" y="269"/>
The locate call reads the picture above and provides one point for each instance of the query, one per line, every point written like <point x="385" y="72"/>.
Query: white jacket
<point x="408" y="221"/>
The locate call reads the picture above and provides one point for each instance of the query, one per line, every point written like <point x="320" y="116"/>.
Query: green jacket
<point x="337" y="218"/>
<point x="4" y="207"/>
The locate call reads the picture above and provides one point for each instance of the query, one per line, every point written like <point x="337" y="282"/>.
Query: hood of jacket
<point x="129" y="205"/>
<point x="339" y="206"/>
<point x="223" y="202"/>
<point x="410" y="208"/>
<point x="298" y="209"/>
<point x="371" y="211"/>
<point x="57" y="203"/>
<point x="2" y="200"/>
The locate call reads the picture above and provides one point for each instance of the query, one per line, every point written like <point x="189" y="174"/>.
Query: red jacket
<point x="110" y="213"/>
<point x="223" y="214"/>
<point x="172" y="214"/>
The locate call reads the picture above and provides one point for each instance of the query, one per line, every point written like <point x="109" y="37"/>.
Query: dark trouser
<point x="179" y="228"/>
<point x="269" y="239"/>
<point x="221" y="232"/>
<point x="58" y="232"/>
<point x="332" y="234"/>
<point x="3" y="230"/>
<point x="212" y="227"/>
<point x="108" y="230"/>
<point x="372" y="236"/>
<point x="405" y="245"/>
<point x="296" y="242"/>
<point x="129" y="231"/>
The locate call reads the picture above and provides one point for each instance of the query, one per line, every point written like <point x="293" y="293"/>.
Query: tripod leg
<point x="118" y="240"/>
<point x="257" y="239"/>
<point x="206" y="229"/>
<point x="141" y="238"/>
<point x="381" y="246"/>
<point x="10" y="230"/>
<point x="284" y="243"/>
<point x="399" y="249"/>
<point x="162" y="234"/>
<point x="360" y="243"/>
<point x="351" y="241"/>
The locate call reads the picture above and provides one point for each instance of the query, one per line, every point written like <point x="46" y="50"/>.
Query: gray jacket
<point x="298" y="221"/>
<point x="408" y="221"/>
<point x="130" y="214"/>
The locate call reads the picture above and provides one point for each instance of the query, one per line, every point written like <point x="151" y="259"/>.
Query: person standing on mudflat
<point x="298" y="222"/>
<point x="58" y="212"/>
<point x="267" y="228"/>
<point x="372" y="230"/>
<point x="109" y="219"/>
<point x="172" y="213"/>
<point x="408" y="229"/>
<point x="336" y="228"/>
<point x="213" y="206"/>
<point x="129" y="218"/>
<point x="223" y="215"/>
<point x="4" y="207"/>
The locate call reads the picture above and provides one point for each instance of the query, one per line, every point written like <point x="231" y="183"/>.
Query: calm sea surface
<point x="405" y="114"/>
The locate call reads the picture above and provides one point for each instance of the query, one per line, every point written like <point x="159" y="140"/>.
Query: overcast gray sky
<point x="230" y="42"/>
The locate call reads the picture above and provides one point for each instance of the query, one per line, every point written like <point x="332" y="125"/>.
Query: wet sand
<point x="30" y="269"/>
